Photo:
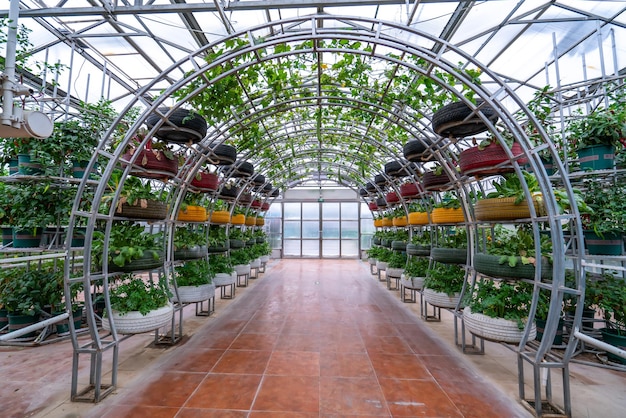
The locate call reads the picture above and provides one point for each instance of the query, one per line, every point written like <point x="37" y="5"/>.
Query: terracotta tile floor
<point x="310" y="338"/>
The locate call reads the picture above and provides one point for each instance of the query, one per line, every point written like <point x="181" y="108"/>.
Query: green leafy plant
<point x="397" y="259"/>
<point x="610" y="298"/>
<point x="28" y="291"/>
<point x="132" y="293"/>
<point x="128" y="241"/>
<point x="501" y="300"/>
<point x="417" y="267"/>
<point x="449" y="200"/>
<point x="452" y="238"/>
<point x="185" y="238"/>
<point x="194" y="273"/>
<point x="515" y="245"/>
<point x="445" y="278"/>
<point x="217" y="236"/>
<point x="240" y="256"/>
<point x="607" y="203"/>
<point x="220" y="263"/>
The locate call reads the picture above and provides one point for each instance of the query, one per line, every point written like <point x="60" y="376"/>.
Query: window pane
<point x="365" y="212"/>
<point x="330" y="210"/>
<point x="310" y="229"/>
<point x="350" y="229"/>
<point x="275" y="211"/>
<point x="330" y="229"/>
<point x="330" y="248"/>
<point x="310" y="211"/>
<point x="349" y="210"/>
<point x="310" y="248"/>
<point x="274" y="225"/>
<point x="292" y="211"/>
<point x="366" y="242"/>
<point x="292" y="248"/>
<point x="292" y="229"/>
<point x="349" y="247"/>
<point x="367" y="226"/>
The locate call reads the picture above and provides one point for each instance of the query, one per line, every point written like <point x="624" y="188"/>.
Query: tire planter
<point x="414" y="151"/>
<point x="135" y="323"/>
<point x="410" y="190"/>
<point x="267" y="188"/>
<point x="205" y="182"/>
<point x="260" y="221"/>
<point x="490" y="160"/>
<point x="610" y="336"/>
<point x="380" y="180"/>
<point x="381" y="203"/>
<point x="265" y="206"/>
<point x="193" y="294"/>
<point x="376" y="240"/>
<point x="239" y="219"/>
<point x="387" y="221"/>
<point x="449" y="255"/>
<point x="370" y="187"/>
<point x="418" y="250"/>
<point x="447" y="216"/>
<point x="264" y="258"/>
<point x="395" y="272"/>
<point x="596" y="157"/>
<point x="220" y="217"/>
<point x="219" y="248"/>
<point x="236" y="244"/>
<point x="228" y="193"/>
<point x="146" y="209"/>
<point x="398" y="245"/>
<point x="415" y="283"/>
<point x="392" y="197"/>
<point x="608" y="244"/>
<point x="385" y="243"/>
<point x="240" y="169"/>
<point x="258" y="180"/>
<point x="381" y="265"/>
<point x="397" y="169"/>
<point x="490" y="265"/>
<point x="418" y="218"/>
<point x="245" y="199"/>
<point x="182" y="126"/>
<point x="378" y="223"/>
<point x="197" y="251"/>
<point x="256" y="263"/>
<point x="399" y="221"/>
<point x="495" y="329"/>
<point x="435" y="182"/>
<point x="222" y="154"/>
<point x="145" y="263"/>
<point x="152" y="164"/>
<point x="192" y="214"/>
<point x="372" y="206"/>
<point x="452" y="120"/>
<point x="504" y="208"/>
<point x="250" y="221"/>
<point x="224" y="279"/>
<point x="440" y="299"/>
<point x="256" y="204"/>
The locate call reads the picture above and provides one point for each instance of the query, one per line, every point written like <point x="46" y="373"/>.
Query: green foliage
<point x="217" y="236"/>
<point x="607" y="203"/>
<point x="501" y="300"/>
<point x="610" y="297"/>
<point x="455" y="237"/>
<point x="188" y="237"/>
<point x="514" y="245"/>
<point x="220" y="263"/>
<point x="445" y="278"/>
<point x="28" y="290"/>
<point x="397" y="259"/>
<point x="133" y="294"/>
<point x="38" y="204"/>
<point x="421" y="238"/>
<point x="135" y="191"/>
<point x="449" y="200"/>
<point x="240" y="256"/>
<point x="194" y="273"/>
<point x="417" y="267"/>
<point x="128" y="241"/>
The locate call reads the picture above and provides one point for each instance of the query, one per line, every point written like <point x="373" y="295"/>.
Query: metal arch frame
<point x="435" y="62"/>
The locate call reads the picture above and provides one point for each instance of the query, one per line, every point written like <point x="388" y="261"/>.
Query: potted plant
<point x="420" y="244"/>
<point x="189" y="243"/>
<point x="489" y="157"/>
<point x="605" y="223"/>
<point x="154" y="160"/>
<point x="395" y="266"/>
<point x="510" y="253"/>
<point x="419" y="212"/>
<point x="131" y="248"/>
<point x="137" y="199"/>
<point x="415" y="273"/>
<point x="611" y="301"/>
<point x="241" y="262"/>
<point x="451" y="246"/>
<point x="218" y="239"/>
<point x="443" y="285"/>
<point x="219" y="212"/>
<point x="193" y="281"/>
<point x="224" y="274"/>
<point x="596" y="135"/>
<point x="138" y="306"/>
<point x="192" y="209"/>
<point x="498" y="311"/>
<point x="448" y="210"/>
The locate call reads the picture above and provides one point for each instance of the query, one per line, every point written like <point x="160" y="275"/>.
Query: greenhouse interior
<point x="313" y="208"/>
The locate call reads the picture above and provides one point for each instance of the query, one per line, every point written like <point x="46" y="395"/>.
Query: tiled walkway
<point x="312" y="339"/>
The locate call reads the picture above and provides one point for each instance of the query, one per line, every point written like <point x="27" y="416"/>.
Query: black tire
<point x="398" y="245"/>
<point x="414" y="150"/>
<point x="370" y="187"/>
<point x="181" y="127"/>
<point x="449" y="121"/>
<point x="275" y="193"/>
<point x="381" y="202"/>
<point x="227" y="193"/>
<point x="267" y="188"/>
<point x="379" y="179"/>
<point x="396" y="169"/>
<point x="258" y="180"/>
<point x="363" y="192"/>
<point x="223" y="154"/>
<point x="240" y="169"/>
